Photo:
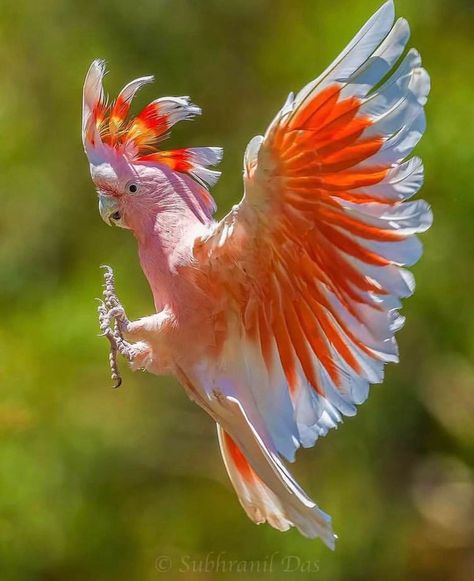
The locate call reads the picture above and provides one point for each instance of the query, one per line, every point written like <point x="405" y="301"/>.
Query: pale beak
<point x="108" y="209"/>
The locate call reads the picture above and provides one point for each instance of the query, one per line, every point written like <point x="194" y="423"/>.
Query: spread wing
<point x="315" y="252"/>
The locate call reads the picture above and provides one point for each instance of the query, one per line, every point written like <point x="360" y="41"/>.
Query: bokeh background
<point x="99" y="484"/>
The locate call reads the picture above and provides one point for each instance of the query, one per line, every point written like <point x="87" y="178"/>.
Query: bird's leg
<point x="113" y="322"/>
<point x="113" y="303"/>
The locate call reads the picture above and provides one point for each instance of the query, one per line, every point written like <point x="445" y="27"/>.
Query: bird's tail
<point x="266" y="489"/>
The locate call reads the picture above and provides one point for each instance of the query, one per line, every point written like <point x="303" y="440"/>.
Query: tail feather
<point x="258" y="501"/>
<point x="265" y="488"/>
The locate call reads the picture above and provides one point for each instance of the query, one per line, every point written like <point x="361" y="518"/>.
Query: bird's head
<point x="132" y="176"/>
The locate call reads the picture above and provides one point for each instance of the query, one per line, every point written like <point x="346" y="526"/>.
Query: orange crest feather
<point x="108" y="132"/>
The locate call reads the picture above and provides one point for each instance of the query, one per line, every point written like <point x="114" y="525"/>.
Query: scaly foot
<point x="113" y="323"/>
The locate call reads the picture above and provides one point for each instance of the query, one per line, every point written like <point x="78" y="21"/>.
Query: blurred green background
<point x="98" y="484"/>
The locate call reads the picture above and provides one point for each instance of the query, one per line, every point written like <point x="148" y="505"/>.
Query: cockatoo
<point x="276" y="319"/>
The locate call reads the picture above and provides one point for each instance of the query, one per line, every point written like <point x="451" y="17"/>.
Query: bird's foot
<point x="112" y="302"/>
<point x="113" y="322"/>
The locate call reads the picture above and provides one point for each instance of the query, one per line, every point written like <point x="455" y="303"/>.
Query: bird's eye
<point x="132" y="188"/>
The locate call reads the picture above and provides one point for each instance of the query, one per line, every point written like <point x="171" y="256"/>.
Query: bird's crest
<point x="108" y="133"/>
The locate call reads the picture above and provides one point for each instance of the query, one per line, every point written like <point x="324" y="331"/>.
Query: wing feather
<point x="318" y="244"/>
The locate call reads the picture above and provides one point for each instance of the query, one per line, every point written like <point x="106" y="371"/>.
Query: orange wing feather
<point x="319" y="245"/>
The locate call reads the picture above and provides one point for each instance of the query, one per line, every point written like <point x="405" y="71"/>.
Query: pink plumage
<point x="277" y="318"/>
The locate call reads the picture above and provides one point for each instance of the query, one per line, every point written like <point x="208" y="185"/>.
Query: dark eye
<point x="132" y="188"/>
<point x="116" y="216"/>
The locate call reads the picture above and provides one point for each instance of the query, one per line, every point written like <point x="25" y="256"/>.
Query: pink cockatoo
<point x="276" y="319"/>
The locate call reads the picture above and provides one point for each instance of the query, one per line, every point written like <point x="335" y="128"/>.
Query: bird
<point x="276" y="319"/>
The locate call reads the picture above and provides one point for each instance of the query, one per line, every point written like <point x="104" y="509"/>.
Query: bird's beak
<point x="108" y="206"/>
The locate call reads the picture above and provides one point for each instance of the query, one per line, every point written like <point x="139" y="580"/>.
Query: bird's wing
<point x="314" y="253"/>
